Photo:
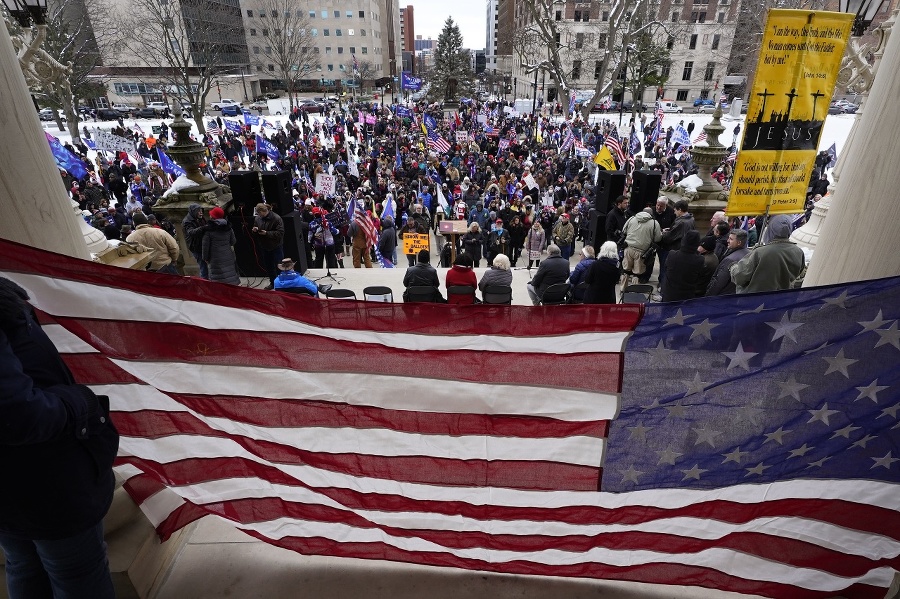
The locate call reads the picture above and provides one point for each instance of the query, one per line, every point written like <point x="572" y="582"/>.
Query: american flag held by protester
<point x="746" y="443"/>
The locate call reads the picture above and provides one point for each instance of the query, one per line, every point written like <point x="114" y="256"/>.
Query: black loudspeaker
<point x="277" y="190"/>
<point x="245" y="189"/>
<point x="295" y="240"/>
<point x="644" y="190"/>
<point x="610" y="185"/>
<point x="249" y="260"/>
<point x="597" y="230"/>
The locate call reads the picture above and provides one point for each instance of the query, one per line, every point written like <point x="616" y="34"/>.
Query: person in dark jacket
<point x="603" y="276"/>
<point x="268" y="233"/>
<point x="672" y="237"/>
<point x="683" y="269"/>
<point x="423" y="274"/>
<point x="580" y="272"/>
<point x="387" y="241"/>
<point x="218" y="249"/>
<point x="194" y="226"/>
<point x="517" y="232"/>
<point x="721" y="283"/>
<point x="616" y="219"/>
<point x="710" y="264"/>
<point x="553" y="270"/>
<point x="472" y="242"/>
<point x="57" y="444"/>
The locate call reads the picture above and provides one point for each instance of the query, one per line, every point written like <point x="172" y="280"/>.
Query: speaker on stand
<point x="610" y="185"/>
<point x="276" y="187"/>
<point x="644" y="190"/>
<point x="295" y="240"/>
<point x="245" y="189"/>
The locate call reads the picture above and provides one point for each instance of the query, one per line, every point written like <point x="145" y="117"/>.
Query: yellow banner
<point x="795" y="77"/>
<point x="413" y="242"/>
<point x="604" y="159"/>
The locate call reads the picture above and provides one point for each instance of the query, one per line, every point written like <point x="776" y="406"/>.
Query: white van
<point x="670" y="106"/>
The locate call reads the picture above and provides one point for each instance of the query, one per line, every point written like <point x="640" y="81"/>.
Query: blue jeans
<point x="204" y="267"/>
<point x="72" y="568"/>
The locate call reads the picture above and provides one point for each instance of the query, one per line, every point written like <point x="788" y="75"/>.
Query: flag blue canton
<point x="754" y="389"/>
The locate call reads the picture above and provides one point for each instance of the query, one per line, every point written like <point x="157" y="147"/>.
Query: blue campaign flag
<point x="388" y="210"/>
<point x="169" y="167"/>
<point x="832" y="153"/>
<point x="90" y="143"/>
<point x="232" y="126"/>
<point x="681" y="136"/>
<point x="634" y="144"/>
<point x="267" y="147"/>
<point x="429" y="121"/>
<point x="403" y="112"/>
<point x="65" y="159"/>
<point x="409" y="82"/>
<point x="250" y="119"/>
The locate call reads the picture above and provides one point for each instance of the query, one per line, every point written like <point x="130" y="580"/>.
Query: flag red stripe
<point x="142" y="486"/>
<point x="162" y="342"/>
<point x="289" y="412"/>
<point x="507" y="321"/>
<point x="542" y="475"/>
<point x="780" y="549"/>
<point x="658" y="573"/>
<point x="97" y="369"/>
<point x="853" y="516"/>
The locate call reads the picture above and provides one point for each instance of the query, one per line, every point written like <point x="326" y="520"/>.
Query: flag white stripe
<point x="173" y="449"/>
<point x="160" y="505"/>
<point x="67" y="342"/>
<point x="60" y="297"/>
<point x="420" y="394"/>
<point x="823" y="534"/>
<point x="734" y="563"/>
<point x="582" y="450"/>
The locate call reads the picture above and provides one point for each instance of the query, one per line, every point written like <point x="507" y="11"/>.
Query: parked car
<point x="160" y="108"/>
<point x="144" y="113"/>
<point x="231" y="110"/>
<point x="311" y="106"/>
<point x="704" y="102"/>
<point x="670" y="106"/>
<point x="628" y="104"/>
<point x="123" y="109"/>
<point x="706" y="108"/>
<point x="842" y="108"/>
<point x="108" y="114"/>
<point x="45" y="114"/>
<point x="259" y="105"/>
<point x="225" y="102"/>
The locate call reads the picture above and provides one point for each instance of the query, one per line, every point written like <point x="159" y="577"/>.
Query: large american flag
<point x="754" y="446"/>
<point x="437" y="143"/>
<point x="213" y="128"/>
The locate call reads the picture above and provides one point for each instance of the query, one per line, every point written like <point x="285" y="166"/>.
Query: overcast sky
<point x="470" y="15"/>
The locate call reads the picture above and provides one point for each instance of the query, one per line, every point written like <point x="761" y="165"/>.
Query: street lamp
<point x="628" y="49"/>
<point x="865" y="11"/>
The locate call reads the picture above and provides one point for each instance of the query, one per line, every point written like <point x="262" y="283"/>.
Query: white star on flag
<point x="890" y="335"/>
<point x="703" y="329"/>
<point x="784" y="328"/>
<point x="822" y="414"/>
<point x="871" y="391"/>
<point x="871" y="325"/>
<point x="739" y="358"/>
<point x="839" y="363"/>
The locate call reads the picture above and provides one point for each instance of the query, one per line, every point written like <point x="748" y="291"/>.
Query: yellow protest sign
<point x="604" y="159"/>
<point x="413" y="242"/>
<point x="795" y="77"/>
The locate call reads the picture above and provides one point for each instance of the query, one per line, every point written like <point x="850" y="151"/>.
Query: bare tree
<point x="287" y="40"/>
<point x="187" y="45"/>
<point x="363" y="71"/>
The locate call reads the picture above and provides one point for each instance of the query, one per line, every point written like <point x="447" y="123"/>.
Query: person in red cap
<point x="564" y="236"/>
<point x="498" y="241"/>
<point x="218" y="249"/>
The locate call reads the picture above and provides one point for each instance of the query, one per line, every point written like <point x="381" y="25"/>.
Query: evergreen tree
<point x="452" y="75"/>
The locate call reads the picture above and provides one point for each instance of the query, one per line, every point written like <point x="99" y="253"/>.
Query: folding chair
<point x="555" y="295"/>
<point x="422" y="294"/>
<point x="460" y="294"/>
<point x="378" y="293"/>
<point x="297" y="291"/>
<point x="636" y="294"/>
<point x="340" y="294"/>
<point x="578" y="293"/>
<point x="497" y="294"/>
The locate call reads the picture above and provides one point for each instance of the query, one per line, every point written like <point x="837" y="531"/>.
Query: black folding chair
<point x="578" y="291"/>
<point x="297" y="291"/>
<point x="497" y="294"/>
<point x="340" y="294"/>
<point x="636" y="294"/>
<point x="555" y="295"/>
<point x="461" y="290"/>
<point x="422" y="294"/>
<point x="378" y="293"/>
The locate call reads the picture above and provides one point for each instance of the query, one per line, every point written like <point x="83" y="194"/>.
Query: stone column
<point x="35" y="210"/>
<point x="858" y="239"/>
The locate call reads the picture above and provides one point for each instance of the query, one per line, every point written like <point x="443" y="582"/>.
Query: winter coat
<point x="421" y="275"/>
<point x="498" y="243"/>
<point x="563" y="234"/>
<point x="495" y="276"/>
<point x="218" y="251"/>
<point x="387" y="242"/>
<point x="641" y="230"/>
<point x="721" y="283"/>
<point x="472" y="243"/>
<point x="274" y="228"/>
<point x="535" y="240"/>
<point x="710" y="264"/>
<point x="580" y="272"/>
<point x="769" y="267"/>
<point x="57" y="442"/>
<point x="601" y="279"/>
<point x="194" y="226"/>
<point x="553" y="270"/>
<point x="166" y="248"/>
<point x="683" y="269"/>
<point x="462" y="276"/>
<point x="671" y="239"/>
